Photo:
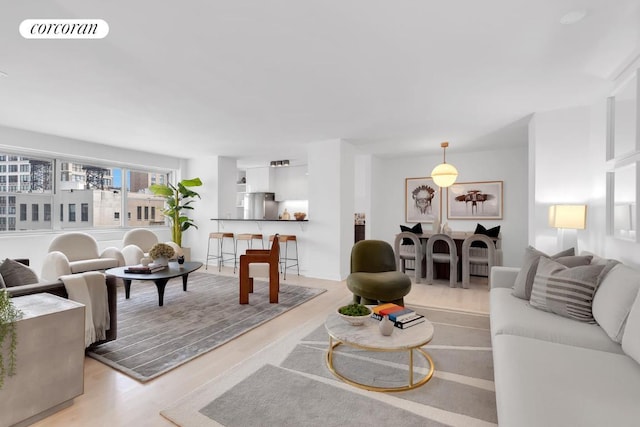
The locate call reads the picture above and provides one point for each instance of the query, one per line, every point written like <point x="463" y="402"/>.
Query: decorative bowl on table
<point x="356" y="314"/>
<point x="300" y="216"/>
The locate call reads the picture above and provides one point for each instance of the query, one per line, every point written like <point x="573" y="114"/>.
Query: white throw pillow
<point x="631" y="336"/>
<point x="614" y="297"/>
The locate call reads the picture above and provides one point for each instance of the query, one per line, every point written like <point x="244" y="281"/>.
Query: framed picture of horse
<point x="475" y="200"/>
<point x="422" y="200"/>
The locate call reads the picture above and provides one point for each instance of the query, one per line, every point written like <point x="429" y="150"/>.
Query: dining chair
<point x="440" y="257"/>
<point x="486" y="257"/>
<point x="409" y="252"/>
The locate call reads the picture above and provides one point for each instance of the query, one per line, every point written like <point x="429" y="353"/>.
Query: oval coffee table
<point x="160" y="278"/>
<point x="368" y="337"/>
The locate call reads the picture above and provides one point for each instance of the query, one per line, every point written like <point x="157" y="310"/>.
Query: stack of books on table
<point x="401" y="317"/>
<point x="144" y="269"/>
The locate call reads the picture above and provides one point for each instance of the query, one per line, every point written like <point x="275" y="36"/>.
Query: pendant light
<point x="444" y="174"/>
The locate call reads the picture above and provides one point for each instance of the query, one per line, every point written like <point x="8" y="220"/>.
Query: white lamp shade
<point x="444" y="175"/>
<point x="568" y="216"/>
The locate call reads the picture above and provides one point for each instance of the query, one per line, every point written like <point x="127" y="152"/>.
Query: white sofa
<point x="555" y="371"/>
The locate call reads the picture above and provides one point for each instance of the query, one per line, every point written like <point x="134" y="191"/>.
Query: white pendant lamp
<point x="444" y="174"/>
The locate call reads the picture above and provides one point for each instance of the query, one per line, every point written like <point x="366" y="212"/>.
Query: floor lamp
<point x="568" y="219"/>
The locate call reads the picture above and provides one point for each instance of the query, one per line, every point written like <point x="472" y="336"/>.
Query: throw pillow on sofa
<point x="416" y="229"/>
<point x="616" y="293"/>
<point x="15" y="274"/>
<point x="566" y="291"/>
<point x="524" y="280"/>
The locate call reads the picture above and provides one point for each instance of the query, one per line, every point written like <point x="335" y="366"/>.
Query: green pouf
<point x="373" y="278"/>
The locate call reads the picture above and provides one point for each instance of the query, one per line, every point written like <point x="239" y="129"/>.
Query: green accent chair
<point x="374" y="278"/>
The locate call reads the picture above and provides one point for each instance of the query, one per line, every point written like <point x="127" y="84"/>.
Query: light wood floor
<point x="113" y="399"/>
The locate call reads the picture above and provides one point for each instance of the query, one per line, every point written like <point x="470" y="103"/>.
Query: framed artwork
<point x="475" y="200"/>
<point x="421" y="200"/>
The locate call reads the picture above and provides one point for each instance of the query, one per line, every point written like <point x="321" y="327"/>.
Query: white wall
<point x="562" y="169"/>
<point x="570" y="157"/>
<point x="331" y="209"/>
<point x="507" y="165"/>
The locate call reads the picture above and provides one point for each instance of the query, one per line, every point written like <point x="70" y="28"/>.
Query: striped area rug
<point x="289" y="384"/>
<point x="153" y="340"/>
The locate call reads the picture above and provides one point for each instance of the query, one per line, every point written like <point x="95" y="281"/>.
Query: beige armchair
<point x="138" y="242"/>
<point x="76" y="253"/>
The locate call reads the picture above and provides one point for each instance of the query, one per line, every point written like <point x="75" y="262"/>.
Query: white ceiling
<point x="258" y="79"/>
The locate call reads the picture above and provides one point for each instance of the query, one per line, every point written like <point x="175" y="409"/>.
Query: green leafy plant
<point x="8" y="317"/>
<point x="178" y="199"/>
<point x="354" y="310"/>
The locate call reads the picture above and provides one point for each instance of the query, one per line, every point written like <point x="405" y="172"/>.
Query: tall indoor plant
<point x="178" y="199"/>
<point x="8" y="329"/>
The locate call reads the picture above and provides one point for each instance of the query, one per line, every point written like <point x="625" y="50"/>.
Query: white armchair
<point x="76" y="253"/>
<point x="138" y="242"/>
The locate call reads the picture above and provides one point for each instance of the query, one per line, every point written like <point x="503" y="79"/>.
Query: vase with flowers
<point x="161" y="253"/>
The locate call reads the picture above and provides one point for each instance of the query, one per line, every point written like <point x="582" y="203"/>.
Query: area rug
<point x="153" y="340"/>
<point x="289" y="384"/>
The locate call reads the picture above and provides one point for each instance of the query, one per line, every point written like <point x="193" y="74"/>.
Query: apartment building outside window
<point x="98" y="189"/>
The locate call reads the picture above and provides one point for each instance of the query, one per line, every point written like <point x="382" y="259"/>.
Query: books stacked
<point x="401" y="317"/>
<point x="144" y="269"/>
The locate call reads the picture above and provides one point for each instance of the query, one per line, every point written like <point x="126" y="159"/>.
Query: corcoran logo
<point x="64" y="29"/>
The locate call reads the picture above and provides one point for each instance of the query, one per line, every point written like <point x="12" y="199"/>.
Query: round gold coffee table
<point x="368" y="337"/>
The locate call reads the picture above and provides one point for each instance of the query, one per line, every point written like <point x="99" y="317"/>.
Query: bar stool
<point x="219" y="257"/>
<point x="248" y="238"/>
<point x="284" y="255"/>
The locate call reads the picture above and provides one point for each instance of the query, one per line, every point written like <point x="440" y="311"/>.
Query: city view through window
<point x="78" y="196"/>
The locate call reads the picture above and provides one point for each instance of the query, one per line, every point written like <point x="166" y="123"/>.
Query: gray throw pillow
<point x="566" y="291"/>
<point x="16" y="274"/>
<point x="524" y="280"/>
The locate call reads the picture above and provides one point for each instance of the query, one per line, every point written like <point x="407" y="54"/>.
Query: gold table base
<point x="409" y="386"/>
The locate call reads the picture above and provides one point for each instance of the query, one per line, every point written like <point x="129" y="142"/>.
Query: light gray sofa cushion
<point x="614" y="297"/>
<point x="542" y="383"/>
<point x="565" y="291"/>
<point x="524" y="280"/>
<point x="631" y="337"/>
<point x="93" y="264"/>
<point x="514" y="316"/>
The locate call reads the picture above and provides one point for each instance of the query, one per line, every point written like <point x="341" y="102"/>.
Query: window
<point x="84" y="212"/>
<point x="3" y="224"/>
<point x="140" y="196"/>
<point x="95" y="188"/>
